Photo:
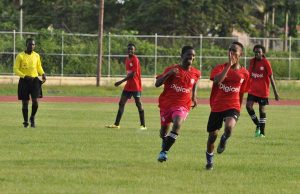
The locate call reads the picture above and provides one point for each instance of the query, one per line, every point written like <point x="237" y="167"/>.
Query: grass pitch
<point x="70" y="151"/>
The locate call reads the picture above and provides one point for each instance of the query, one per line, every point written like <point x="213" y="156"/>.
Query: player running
<point x="230" y="82"/>
<point x="180" y="83"/>
<point x="260" y="77"/>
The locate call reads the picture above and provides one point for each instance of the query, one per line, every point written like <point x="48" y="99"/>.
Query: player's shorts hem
<point x="259" y="100"/>
<point x="129" y="94"/>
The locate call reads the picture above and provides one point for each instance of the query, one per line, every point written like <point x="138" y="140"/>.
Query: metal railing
<point x="154" y="51"/>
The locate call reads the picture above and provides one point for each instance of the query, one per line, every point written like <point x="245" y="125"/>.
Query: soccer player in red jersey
<point x="260" y="77"/>
<point x="177" y="98"/>
<point x="230" y="82"/>
<point x="133" y="87"/>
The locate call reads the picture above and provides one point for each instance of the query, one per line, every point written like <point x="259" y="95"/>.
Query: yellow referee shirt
<point x="29" y="65"/>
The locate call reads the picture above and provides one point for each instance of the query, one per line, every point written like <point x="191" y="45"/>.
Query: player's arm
<point x="17" y="67"/>
<point x="161" y="80"/>
<point x="241" y="98"/>
<point x="194" y="96"/>
<point x="40" y="69"/>
<point x="220" y="77"/>
<point x="128" y="76"/>
<point x="232" y="60"/>
<point x="274" y="88"/>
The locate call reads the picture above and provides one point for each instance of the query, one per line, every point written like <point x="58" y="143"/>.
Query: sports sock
<point x="209" y="157"/>
<point x="163" y="142"/>
<point x="25" y="114"/>
<point x="119" y="116"/>
<point x="224" y="137"/>
<point x="262" y="122"/>
<point x="253" y="117"/>
<point x="34" y="109"/>
<point x="169" y="141"/>
<point x="142" y="117"/>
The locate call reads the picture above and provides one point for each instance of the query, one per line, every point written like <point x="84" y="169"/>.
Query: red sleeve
<point x="165" y="71"/>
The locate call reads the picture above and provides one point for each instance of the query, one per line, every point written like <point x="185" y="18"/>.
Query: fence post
<point x="14" y="42"/>
<point x="200" y="54"/>
<point x="290" y="56"/>
<point x="62" y="54"/>
<point x="109" y="47"/>
<point x="245" y="55"/>
<point x="155" y="56"/>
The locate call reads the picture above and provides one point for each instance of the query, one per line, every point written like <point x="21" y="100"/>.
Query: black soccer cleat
<point x="32" y="123"/>
<point x="221" y="147"/>
<point x="25" y="124"/>
<point x="209" y="166"/>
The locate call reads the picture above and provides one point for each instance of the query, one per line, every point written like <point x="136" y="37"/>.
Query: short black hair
<point x="29" y="40"/>
<point x="259" y="46"/>
<point x="238" y="43"/>
<point x="185" y="48"/>
<point x="131" y="44"/>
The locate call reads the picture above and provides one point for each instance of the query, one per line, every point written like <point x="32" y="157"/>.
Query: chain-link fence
<point x="76" y="54"/>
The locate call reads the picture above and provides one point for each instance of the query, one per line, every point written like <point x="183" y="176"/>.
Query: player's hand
<point x="118" y="83"/>
<point x="173" y="71"/>
<point x="232" y="58"/>
<point x="44" y="78"/>
<point x="195" y="103"/>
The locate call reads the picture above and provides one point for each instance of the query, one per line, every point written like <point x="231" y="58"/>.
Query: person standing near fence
<point x="133" y="87"/>
<point x="28" y="67"/>
<point x="180" y="83"/>
<point x="230" y="82"/>
<point x="261" y="75"/>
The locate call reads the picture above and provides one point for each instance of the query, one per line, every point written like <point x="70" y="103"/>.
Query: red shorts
<point x="167" y="115"/>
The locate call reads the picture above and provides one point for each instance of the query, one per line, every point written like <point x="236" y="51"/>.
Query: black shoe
<point x="221" y="147"/>
<point x="32" y="123"/>
<point x="25" y="124"/>
<point x="209" y="166"/>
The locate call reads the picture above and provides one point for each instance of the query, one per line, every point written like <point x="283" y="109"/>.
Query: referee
<point x="28" y="67"/>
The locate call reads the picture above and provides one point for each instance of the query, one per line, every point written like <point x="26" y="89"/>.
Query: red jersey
<point x="226" y="95"/>
<point x="135" y="83"/>
<point x="260" y="72"/>
<point x="178" y="88"/>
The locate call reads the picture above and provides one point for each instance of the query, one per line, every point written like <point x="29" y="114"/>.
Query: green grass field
<point x="70" y="151"/>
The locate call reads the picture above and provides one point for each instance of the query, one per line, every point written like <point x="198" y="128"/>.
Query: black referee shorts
<point x="30" y="87"/>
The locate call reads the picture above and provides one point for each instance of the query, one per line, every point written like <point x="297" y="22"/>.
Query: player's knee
<point x="35" y="103"/>
<point x="212" y="137"/>
<point x="139" y="106"/>
<point x="25" y="105"/>
<point x="121" y="104"/>
<point x="162" y="134"/>
<point x="262" y="111"/>
<point x="249" y="108"/>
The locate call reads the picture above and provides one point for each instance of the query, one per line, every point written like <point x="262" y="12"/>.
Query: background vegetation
<point x="217" y="18"/>
<point x="168" y="17"/>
